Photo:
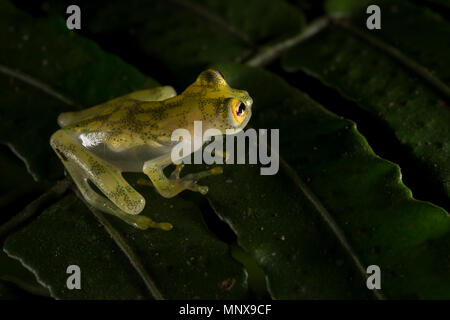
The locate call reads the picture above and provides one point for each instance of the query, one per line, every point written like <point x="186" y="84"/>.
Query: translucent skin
<point x="133" y="133"/>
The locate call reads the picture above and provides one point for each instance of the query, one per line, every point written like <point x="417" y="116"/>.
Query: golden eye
<point x="238" y="110"/>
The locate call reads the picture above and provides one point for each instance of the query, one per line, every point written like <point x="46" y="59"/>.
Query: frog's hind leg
<point x="126" y="202"/>
<point x="101" y="203"/>
<point x="106" y="177"/>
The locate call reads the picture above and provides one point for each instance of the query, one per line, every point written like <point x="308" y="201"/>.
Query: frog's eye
<point x="238" y="111"/>
<point x="221" y="74"/>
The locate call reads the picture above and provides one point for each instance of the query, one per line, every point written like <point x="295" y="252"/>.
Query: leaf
<point x="444" y="4"/>
<point x="76" y="240"/>
<point x="9" y="292"/>
<point x="186" y="35"/>
<point x="16" y="185"/>
<point x="187" y="263"/>
<point x="51" y="81"/>
<point x="279" y="228"/>
<point x="333" y="209"/>
<point x="398" y="19"/>
<point x="389" y="85"/>
<point x="332" y="179"/>
<point x="16" y="188"/>
<point x="12" y="272"/>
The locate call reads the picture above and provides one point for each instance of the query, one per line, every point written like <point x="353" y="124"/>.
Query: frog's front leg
<point x="170" y="187"/>
<point x="82" y="166"/>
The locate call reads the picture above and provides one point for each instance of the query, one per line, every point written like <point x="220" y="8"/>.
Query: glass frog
<point x="132" y="133"/>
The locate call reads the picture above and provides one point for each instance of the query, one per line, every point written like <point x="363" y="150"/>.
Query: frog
<point x="132" y="133"/>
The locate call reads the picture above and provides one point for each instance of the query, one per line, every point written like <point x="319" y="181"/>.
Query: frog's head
<point x="222" y="107"/>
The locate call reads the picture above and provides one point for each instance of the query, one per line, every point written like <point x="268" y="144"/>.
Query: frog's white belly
<point x="131" y="159"/>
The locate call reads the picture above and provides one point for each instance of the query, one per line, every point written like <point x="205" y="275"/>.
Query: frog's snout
<point x="245" y="98"/>
<point x="248" y="102"/>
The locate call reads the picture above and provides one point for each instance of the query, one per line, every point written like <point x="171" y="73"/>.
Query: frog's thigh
<point x="107" y="178"/>
<point x="154" y="94"/>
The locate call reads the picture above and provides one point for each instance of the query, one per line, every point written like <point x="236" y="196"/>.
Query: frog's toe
<point x="216" y="170"/>
<point x="202" y="174"/>
<point x="143" y="223"/>
<point x="202" y="189"/>
<point x="166" y="226"/>
<point x="189" y="184"/>
<point x="190" y="180"/>
<point x="176" y="173"/>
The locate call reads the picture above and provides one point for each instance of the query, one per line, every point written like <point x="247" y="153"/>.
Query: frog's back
<point x="86" y="117"/>
<point x="154" y="94"/>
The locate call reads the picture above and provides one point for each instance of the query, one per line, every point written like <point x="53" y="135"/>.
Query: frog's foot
<point x="190" y="180"/>
<point x="170" y="187"/>
<point x="143" y="222"/>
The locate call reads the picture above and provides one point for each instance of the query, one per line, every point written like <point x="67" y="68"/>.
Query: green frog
<point x="132" y="133"/>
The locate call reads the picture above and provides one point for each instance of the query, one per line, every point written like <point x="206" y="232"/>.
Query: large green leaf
<point x="280" y="228"/>
<point x="187" y="263"/>
<point x="371" y="208"/>
<point x="187" y="35"/>
<point x="15" y="274"/>
<point x="17" y="187"/>
<point x="398" y="19"/>
<point x="333" y="209"/>
<point x="390" y="84"/>
<point x="9" y="292"/>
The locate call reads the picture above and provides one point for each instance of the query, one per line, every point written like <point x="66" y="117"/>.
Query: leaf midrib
<point x="396" y="54"/>
<point x="329" y="220"/>
<point x="40" y="85"/>
<point x="126" y="249"/>
<point x="215" y="19"/>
